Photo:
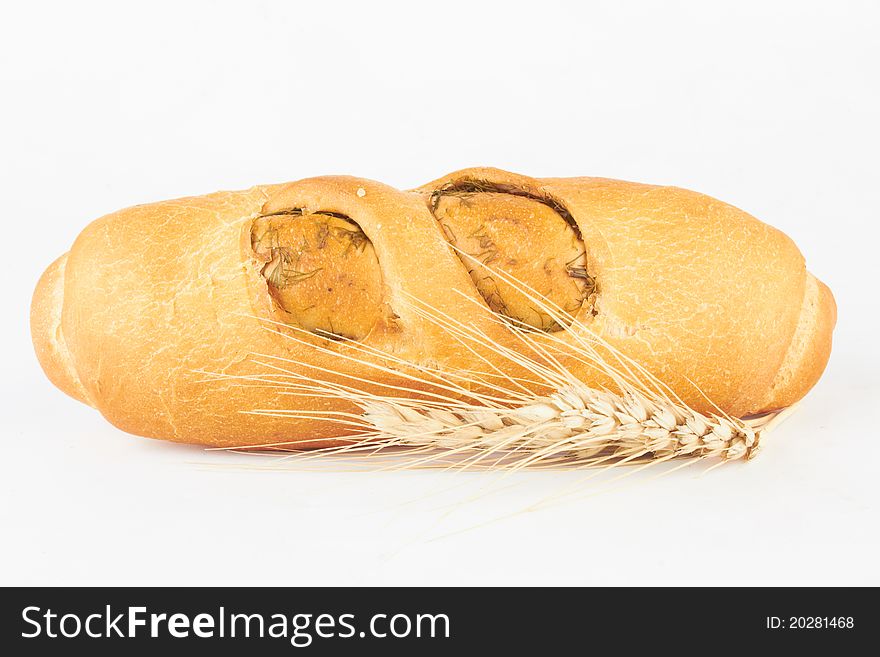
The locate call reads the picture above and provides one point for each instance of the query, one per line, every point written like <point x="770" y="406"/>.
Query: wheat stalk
<point x="572" y="425"/>
<point x="491" y="419"/>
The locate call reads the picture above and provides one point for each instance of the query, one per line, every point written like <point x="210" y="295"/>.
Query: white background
<point x="771" y="106"/>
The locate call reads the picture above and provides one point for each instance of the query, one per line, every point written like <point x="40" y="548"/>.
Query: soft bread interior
<point x="46" y="334"/>
<point x="810" y="347"/>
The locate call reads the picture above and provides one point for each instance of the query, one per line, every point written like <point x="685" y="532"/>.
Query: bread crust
<point x="809" y="349"/>
<point x="153" y="299"/>
<point x="46" y="334"/>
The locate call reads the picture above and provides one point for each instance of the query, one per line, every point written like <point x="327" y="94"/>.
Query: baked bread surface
<point x="153" y="301"/>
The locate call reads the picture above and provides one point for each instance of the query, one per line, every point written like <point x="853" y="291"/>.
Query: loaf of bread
<point x="716" y="304"/>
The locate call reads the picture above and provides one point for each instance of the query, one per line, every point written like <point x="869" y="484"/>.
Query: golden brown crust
<point x="46" y="331"/>
<point x="704" y="295"/>
<point x="156" y="296"/>
<point x="809" y="349"/>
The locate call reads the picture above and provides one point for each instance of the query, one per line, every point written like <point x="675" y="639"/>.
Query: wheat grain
<point x="492" y="419"/>
<point x="575" y="424"/>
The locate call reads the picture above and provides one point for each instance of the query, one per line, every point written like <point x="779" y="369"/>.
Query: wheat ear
<point x="443" y="421"/>
<point x="575" y="424"/>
